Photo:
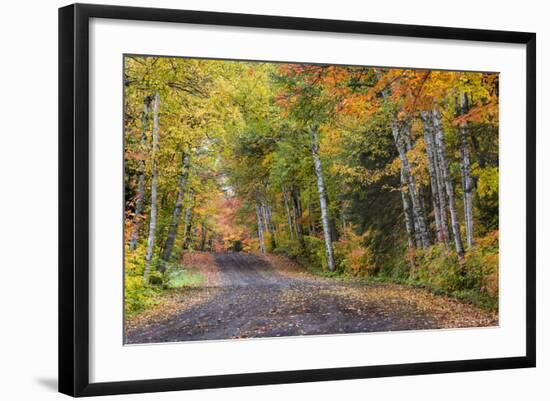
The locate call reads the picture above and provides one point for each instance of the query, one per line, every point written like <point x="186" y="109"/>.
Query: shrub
<point x="288" y="247"/>
<point x="352" y="256"/>
<point x="269" y="242"/>
<point x="439" y="268"/>
<point x="137" y="295"/>
<point x="474" y="278"/>
<point x="315" y="252"/>
<point x="156" y="278"/>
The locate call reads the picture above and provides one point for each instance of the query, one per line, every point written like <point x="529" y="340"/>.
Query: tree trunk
<point x="407" y="212"/>
<point x="203" y="236"/>
<point x="270" y="218"/>
<point x="272" y="225"/>
<point x="288" y="215"/>
<point x="446" y="178"/>
<point x="173" y="228"/>
<point x="420" y="217"/>
<point x="311" y="219"/>
<point x="421" y="229"/>
<point x="437" y="198"/>
<point x="268" y="223"/>
<point x="442" y="196"/>
<point x="187" y="220"/>
<point x="153" y="217"/>
<point x="467" y="182"/>
<point x="261" y="242"/>
<point x="297" y="216"/>
<point x="141" y="180"/>
<point x="402" y="141"/>
<point x="322" y="196"/>
<point x="267" y="227"/>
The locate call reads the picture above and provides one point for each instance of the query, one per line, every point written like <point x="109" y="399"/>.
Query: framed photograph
<point x="249" y="199"/>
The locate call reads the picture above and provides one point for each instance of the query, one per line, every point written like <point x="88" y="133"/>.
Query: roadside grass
<point x="179" y="278"/>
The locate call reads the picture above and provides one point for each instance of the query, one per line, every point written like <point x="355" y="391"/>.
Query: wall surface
<point x="28" y="205"/>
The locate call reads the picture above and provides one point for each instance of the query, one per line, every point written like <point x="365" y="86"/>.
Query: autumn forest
<point x="272" y="199"/>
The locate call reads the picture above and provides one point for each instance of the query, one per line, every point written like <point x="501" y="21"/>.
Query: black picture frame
<point x="74" y="198"/>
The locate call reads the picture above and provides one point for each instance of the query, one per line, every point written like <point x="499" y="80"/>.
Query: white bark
<point x="401" y="136"/>
<point x="442" y="196"/>
<point x="267" y="226"/>
<point x="421" y="229"/>
<point x="322" y="196"/>
<point x="438" y="199"/>
<point x="407" y="212"/>
<point x="261" y="242"/>
<point x="447" y="180"/>
<point x="153" y="217"/>
<point x="467" y="182"/>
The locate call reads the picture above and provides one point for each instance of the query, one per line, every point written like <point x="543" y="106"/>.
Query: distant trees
<point x="173" y="120"/>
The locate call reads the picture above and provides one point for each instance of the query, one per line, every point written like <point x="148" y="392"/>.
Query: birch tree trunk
<point x="446" y="178"/>
<point x="421" y="229"/>
<point x="261" y="242"/>
<point x="402" y="141"/>
<point x="407" y="212"/>
<point x="153" y="217"/>
<point x="268" y="223"/>
<point x="141" y="180"/>
<point x="322" y="196"/>
<point x="272" y="226"/>
<point x="442" y="196"/>
<point x="467" y="181"/>
<point x="263" y="208"/>
<point x="173" y="228"/>
<point x="437" y="198"/>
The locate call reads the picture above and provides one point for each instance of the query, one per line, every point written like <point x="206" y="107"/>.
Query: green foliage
<point x="288" y="247"/>
<point x="269" y="242"/>
<point x="156" y="278"/>
<point x="475" y="278"/>
<point x="137" y="295"/>
<point x="487" y="190"/>
<point x="315" y="253"/>
<point x="312" y="256"/>
<point x="140" y="295"/>
<point x="439" y="268"/>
